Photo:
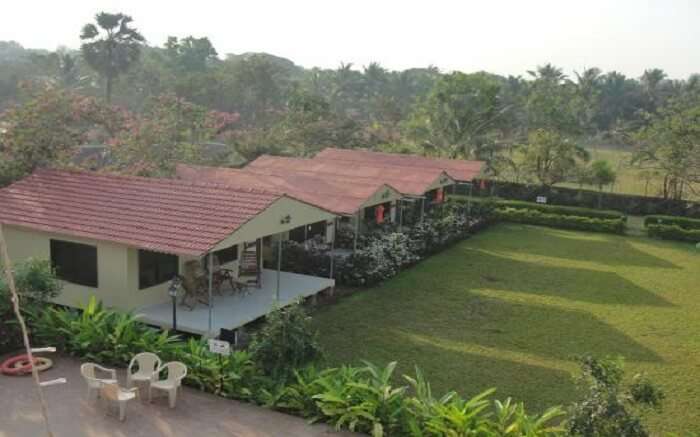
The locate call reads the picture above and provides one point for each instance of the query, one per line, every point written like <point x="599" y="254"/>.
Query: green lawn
<point x="511" y="306"/>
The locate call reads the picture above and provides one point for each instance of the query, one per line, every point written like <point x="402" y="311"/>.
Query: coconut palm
<point x="111" y="47"/>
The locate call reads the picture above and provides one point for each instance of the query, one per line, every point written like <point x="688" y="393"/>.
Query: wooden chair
<point x="176" y="373"/>
<point x="148" y="363"/>
<point x="195" y="284"/>
<point x="249" y="271"/>
<point x="88" y="371"/>
<point x="115" y="394"/>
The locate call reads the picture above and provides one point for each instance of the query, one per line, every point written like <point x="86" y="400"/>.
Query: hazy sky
<point x="501" y="36"/>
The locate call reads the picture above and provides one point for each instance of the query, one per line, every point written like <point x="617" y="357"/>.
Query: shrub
<point x="682" y="222"/>
<point x="286" y="342"/>
<point x="613" y="226"/>
<point x="548" y="209"/>
<point x="100" y="335"/>
<point x="673" y="232"/>
<point x="309" y="259"/>
<point x="608" y="408"/>
<point x="425" y="415"/>
<point x="36" y="284"/>
<point x="230" y="376"/>
<point x="629" y="204"/>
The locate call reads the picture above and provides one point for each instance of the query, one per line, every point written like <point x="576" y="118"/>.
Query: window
<point x="156" y="268"/>
<point x="227" y="255"/>
<point x="307" y="232"/>
<point x="74" y="262"/>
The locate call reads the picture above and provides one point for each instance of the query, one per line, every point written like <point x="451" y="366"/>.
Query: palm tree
<point x="548" y="72"/>
<point x="113" y="52"/>
<point x="650" y="80"/>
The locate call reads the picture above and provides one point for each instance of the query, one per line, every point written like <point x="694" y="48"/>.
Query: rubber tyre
<point x="42" y="363"/>
<point x="8" y="366"/>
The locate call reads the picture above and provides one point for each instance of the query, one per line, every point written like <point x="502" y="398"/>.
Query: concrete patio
<point x="233" y="311"/>
<point x="196" y="414"/>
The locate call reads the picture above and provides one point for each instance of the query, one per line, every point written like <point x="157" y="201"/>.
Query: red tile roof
<point x="459" y="169"/>
<point x="164" y="215"/>
<point x="344" y="197"/>
<point x="414" y="181"/>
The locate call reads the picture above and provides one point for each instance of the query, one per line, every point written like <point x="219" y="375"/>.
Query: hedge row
<point x="533" y="217"/>
<point x="673" y="232"/>
<point x="682" y="222"/>
<point x="548" y="209"/>
<point x="629" y="204"/>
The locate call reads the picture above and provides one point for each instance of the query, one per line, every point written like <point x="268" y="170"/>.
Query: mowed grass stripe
<point x="511" y="307"/>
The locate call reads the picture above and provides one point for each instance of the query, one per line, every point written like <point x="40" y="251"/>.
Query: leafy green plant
<point x="450" y="415"/>
<point x="361" y="399"/>
<point x="101" y="335"/>
<point x="286" y="341"/>
<point x="608" y="408"/>
<point x="36" y="284"/>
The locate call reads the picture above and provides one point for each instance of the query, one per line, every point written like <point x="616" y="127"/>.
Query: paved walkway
<point x="197" y="414"/>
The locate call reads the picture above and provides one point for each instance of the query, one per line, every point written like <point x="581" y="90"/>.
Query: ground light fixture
<point x="175" y="284"/>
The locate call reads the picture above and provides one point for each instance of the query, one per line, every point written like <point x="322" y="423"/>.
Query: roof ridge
<point x="152" y="180"/>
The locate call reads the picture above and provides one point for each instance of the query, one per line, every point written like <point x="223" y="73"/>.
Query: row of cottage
<point x="122" y="239"/>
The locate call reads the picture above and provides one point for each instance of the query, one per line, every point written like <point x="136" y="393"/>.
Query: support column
<point x="357" y="230"/>
<point x="279" y="266"/>
<point x="422" y="208"/>
<point x="332" y="273"/>
<point x="211" y="282"/>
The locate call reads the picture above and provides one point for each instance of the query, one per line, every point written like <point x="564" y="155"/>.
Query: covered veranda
<point x="231" y="310"/>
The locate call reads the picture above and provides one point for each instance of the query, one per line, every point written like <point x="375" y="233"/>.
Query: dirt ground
<point x="71" y="414"/>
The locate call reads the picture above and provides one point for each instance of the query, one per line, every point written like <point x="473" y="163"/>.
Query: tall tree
<point x="670" y="146"/>
<point x="551" y="101"/>
<point x="113" y="51"/>
<point x="455" y="119"/>
<point x="551" y="157"/>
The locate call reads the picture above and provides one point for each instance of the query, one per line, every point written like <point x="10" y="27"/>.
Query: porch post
<point x="399" y="204"/>
<point x="335" y="224"/>
<point x="279" y="266"/>
<point x="357" y="230"/>
<point x="422" y="208"/>
<point x="211" y="281"/>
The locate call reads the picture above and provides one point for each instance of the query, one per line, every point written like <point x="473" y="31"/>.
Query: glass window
<point x="74" y="262"/>
<point x="156" y="268"/>
<point x="227" y="255"/>
<point x="307" y="232"/>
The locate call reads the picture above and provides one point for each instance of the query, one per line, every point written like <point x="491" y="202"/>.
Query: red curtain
<point x="439" y="195"/>
<point x="379" y="214"/>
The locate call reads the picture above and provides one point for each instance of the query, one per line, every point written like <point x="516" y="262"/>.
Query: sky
<point x="500" y="36"/>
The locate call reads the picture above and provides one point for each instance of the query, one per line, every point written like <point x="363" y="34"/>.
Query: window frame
<point x="158" y="264"/>
<point x="70" y="260"/>
<point x="232" y="249"/>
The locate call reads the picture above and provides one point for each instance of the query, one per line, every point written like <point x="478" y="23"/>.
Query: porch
<point x="230" y="311"/>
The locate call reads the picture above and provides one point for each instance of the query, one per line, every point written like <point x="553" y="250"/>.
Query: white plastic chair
<point x="87" y="370"/>
<point x="120" y="396"/>
<point x="176" y="373"/>
<point x="148" y="364"/>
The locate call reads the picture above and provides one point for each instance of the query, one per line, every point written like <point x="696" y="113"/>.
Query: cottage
<point x="360" y="203"/>
<point x="123" y="238"/>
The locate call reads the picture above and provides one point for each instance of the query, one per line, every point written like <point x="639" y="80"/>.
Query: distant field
<point x="629" y="180"/>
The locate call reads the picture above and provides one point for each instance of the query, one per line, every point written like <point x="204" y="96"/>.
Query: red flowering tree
<point x="48" y="128"/>
<point x="170" y="130"/>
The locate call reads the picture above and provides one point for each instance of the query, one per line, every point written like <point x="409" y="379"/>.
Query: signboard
<point x="220" y="347"/>
<point x="541" y="199"/>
